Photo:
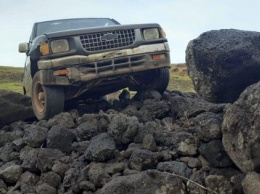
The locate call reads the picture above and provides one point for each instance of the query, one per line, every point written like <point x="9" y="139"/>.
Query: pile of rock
<point x="147" y="144"/>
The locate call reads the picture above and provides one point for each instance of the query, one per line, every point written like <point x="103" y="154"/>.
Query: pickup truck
<point x="77" y="59"/>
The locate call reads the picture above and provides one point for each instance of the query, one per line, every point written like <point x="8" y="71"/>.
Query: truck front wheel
<point x="157" y="79"/>
<point x="47" y="101"/>
<point x="161" y="79"/>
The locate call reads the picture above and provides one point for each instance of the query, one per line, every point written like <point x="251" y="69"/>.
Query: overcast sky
<point x="182" y="20"/>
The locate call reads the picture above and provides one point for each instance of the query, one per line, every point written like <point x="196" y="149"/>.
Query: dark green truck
<point x="77" y="59"/>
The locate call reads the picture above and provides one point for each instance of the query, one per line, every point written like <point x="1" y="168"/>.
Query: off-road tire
<point x="47" y="101"/>
<point x="161" y="79"/>
<point x="157" y="79"/>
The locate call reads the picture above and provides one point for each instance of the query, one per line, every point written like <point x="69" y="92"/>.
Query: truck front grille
<point x="127" y="64"/>
<point x="107" y="40"/>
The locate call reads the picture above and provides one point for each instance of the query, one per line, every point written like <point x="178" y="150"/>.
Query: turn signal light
<point x="61" y="72"/>
<point x="44" y="48"/>
<point x="158" y="57"/>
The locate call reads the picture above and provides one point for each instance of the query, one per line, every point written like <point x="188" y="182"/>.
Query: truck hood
<point x="81" y="31"/>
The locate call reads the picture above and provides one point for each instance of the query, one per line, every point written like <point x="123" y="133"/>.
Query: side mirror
<point x="23" y="47"/>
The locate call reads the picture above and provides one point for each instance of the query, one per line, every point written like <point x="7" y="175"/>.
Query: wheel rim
<point x="39" y="97"/>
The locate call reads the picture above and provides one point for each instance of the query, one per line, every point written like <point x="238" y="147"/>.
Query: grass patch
<point x="11" y="74"/>
<point x="11" y="78"/>
<point x="179" y="79"/>
<point x="13" y="86"/>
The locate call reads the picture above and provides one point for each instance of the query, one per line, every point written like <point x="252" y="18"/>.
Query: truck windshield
<point x="70" y="24"/>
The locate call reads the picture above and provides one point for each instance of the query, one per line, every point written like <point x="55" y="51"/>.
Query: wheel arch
<point x="34" y="68"/>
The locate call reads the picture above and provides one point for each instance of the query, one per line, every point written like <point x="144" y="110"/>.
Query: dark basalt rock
<point x="16" y="107"/>
<point x="151" y="181"/>
<point x="222" y="63"/>
<point x="101" y="148"/>
<point x="143" y="159"/>
<point x="59" y="137"/>
<point x="34" y="135"/>
<point x="175" y="167"/>
<point x="216" y="155"/>
<point x="241" y="138"/>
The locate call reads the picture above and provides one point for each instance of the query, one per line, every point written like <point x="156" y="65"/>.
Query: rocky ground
<point x="152" y="143"/>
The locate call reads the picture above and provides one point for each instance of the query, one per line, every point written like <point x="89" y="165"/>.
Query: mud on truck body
<point x="77" y="59"/>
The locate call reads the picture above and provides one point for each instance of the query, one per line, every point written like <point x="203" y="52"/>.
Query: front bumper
<point x="82" y="68"/>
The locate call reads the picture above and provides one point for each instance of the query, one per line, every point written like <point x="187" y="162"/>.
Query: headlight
<point x="151" y="33"/>
<point x="59" y="46"/>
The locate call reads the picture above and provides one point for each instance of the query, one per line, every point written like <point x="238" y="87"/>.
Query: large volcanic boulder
<point x="241" y="137"/>
<point x="222" y="63"/>
<point x="14" y="107"/>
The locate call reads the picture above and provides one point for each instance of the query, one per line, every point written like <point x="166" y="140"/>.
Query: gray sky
<point x="182" y="20"/>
